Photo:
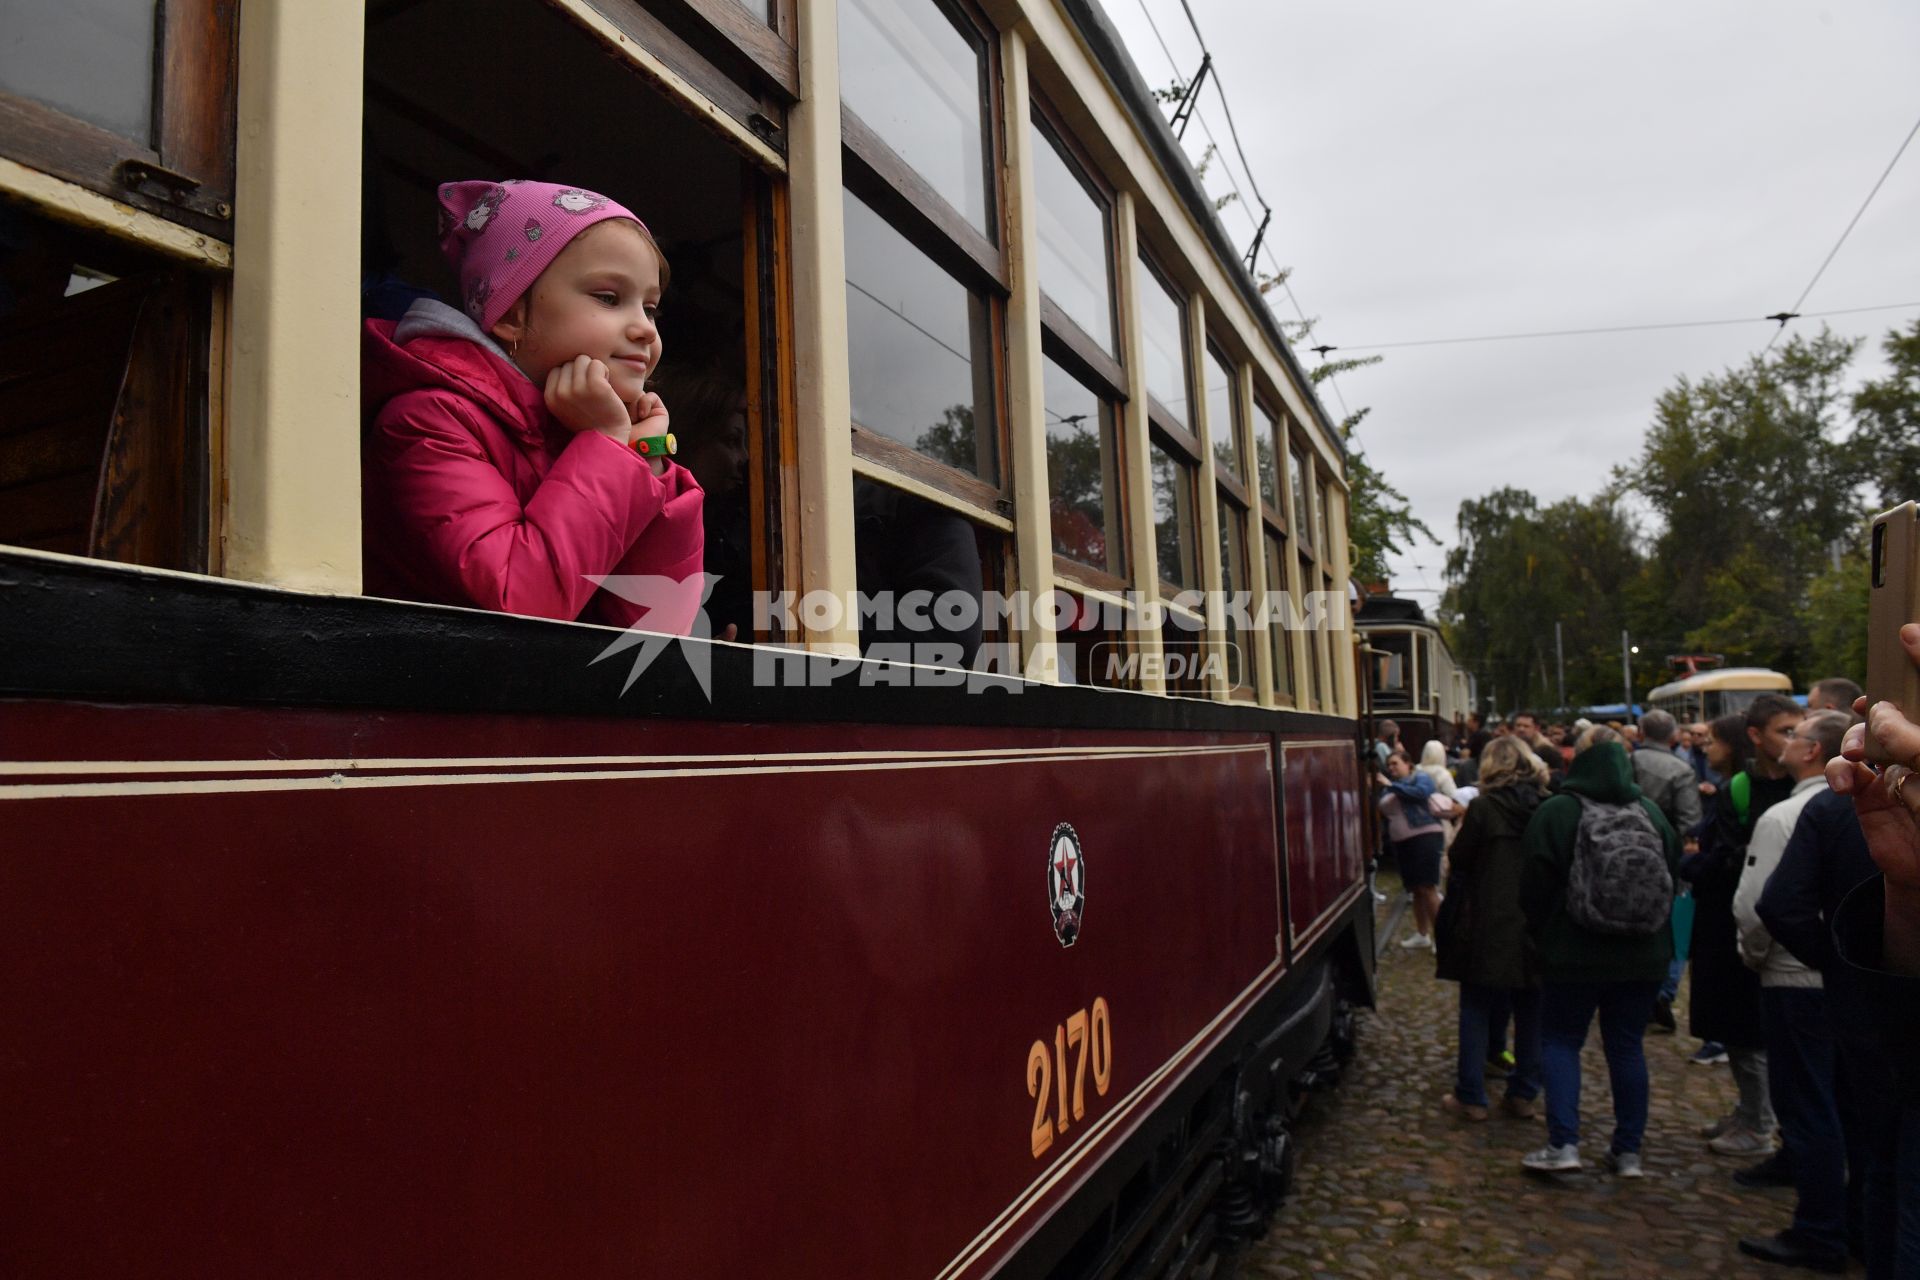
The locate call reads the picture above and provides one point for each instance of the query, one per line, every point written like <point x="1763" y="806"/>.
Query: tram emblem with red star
<point x="1066" y="883"/>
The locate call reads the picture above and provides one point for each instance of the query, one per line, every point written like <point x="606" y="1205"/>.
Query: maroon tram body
<point x="350" y="938"/>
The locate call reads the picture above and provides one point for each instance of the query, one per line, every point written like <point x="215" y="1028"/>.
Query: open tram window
<point x="714" y="216"/>
<point x="104" y="387"/>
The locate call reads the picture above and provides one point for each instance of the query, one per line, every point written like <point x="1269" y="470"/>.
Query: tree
<point x="1888" y="416"/>
<point x="1752" y="484"/>
<point x="1519" y="568"/>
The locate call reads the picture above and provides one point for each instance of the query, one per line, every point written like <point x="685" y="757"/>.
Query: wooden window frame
<point x="1115" y="421"/>
<point x="185" y="172"/>
<point x="1274" y="516"/>
<point x="1158" y="414"/>
<point x="1235" y="497"/>
<point x="883" y="180"/>
<point x="1047" y="123"/>
<point x="1186" y="454"/>
<point x="755" y="106"/>
<point x="1213" y="348"/>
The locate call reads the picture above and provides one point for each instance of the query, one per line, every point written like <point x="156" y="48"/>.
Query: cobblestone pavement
<point x="1389" y="1184"/>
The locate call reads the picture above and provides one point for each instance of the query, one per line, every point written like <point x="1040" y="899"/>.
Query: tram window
<point x="1075" y="248"/>
<point x="1083" y="475"/>
<point x="1314" y="654"/>
<point x="1222" y="421"/>
<point x="710" y="213"/>
<point x="1176" y="527"/>
<point x="1268" y="430"/>
<point x="103" y="384"/>
<point x="1163" y="346"/>
<point x="132" y="98"/>
<point x="1234" y="578"/>
<point x="1094" y="645"/>
<point x="1302" y="512"/>
<point x="921" y="349"/>
<point x="917" y="76"/>
<point x="1183" y="653"/>
<point x="906" y="544"/>
<point x="1324" y="510"/>
<point x="1285" y="683"/>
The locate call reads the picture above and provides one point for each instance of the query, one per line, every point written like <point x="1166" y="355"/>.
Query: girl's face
<point x="599" y="297"/>
<point x="1398" y="768"/>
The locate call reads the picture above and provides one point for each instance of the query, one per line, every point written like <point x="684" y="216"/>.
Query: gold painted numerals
<point x="1087" y="1039"/>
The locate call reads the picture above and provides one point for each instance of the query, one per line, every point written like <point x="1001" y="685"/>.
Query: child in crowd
<point x="513" y="454"/>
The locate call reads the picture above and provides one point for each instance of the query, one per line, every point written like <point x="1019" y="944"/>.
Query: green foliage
<point x="1888" y="412"/>
<point x="1752" y="483"/>
<point x="1519" y="568"/>
<point x="1753" y="478"/>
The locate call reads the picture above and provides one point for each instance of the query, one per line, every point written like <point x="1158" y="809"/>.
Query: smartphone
<point x="1892" y="602"/>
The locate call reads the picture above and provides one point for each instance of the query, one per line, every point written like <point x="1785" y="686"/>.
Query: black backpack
<point x="1619" y="882"/>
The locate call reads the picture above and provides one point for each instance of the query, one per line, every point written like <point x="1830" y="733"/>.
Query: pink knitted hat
<point x="501" y="235"/>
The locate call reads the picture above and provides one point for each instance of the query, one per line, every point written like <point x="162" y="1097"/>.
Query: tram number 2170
<point x="1086" y="1035"/>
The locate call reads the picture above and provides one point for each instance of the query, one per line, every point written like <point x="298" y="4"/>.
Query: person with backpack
<point x="1597" y="886"/>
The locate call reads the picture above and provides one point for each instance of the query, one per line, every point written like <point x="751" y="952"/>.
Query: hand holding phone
<point x="1892" y="602"/>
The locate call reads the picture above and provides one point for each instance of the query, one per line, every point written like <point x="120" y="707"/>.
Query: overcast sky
<point x="1451" y="170"/>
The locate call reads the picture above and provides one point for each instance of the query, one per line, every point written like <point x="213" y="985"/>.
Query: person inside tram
<point x="513" y="453"/>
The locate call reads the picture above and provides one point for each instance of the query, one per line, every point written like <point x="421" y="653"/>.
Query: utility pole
<point x="1560" y="664"/>
<point x="1626" y="669"/>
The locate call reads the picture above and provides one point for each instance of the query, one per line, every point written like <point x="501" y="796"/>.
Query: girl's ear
<point x="511" y="327"/>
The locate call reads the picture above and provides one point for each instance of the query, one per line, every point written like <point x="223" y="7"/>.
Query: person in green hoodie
<point x="1583" y="971"/>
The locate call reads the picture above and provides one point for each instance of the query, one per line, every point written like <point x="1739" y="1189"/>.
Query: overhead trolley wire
<point x="1792" y="312"/>
<point x="1618" y="328"/>
<point x="1259" y="244"/>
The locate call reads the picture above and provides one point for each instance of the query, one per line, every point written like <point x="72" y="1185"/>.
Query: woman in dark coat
<point x="1482" y="932"/>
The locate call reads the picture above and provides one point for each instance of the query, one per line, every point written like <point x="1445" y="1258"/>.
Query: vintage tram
<point x="1412" y="678"/>
<point x="353" y="936"/>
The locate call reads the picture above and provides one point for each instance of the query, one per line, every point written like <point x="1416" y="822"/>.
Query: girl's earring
<point x="513" y="349"/>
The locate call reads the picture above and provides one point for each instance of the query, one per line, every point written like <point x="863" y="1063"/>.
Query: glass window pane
<point x="1326" y="531"/>
<point x="1075" y="244"/>
<point x="1161" y="327"/>
<point x="1175" y="529"/>
<point x="92" y="59"/>
<point x="761" y="9"/>
<point x="904" y="544"/>
<point x="1083" y="474"/>
<point x="1266" y="431"/>
<point x="1220" y="427"/>
<point x="921" y="349"/>
<point x="914" y="79"/>
<point x="1308" y="579"/>
<point x="1278" y="636"/>
<point x="1302" y="513"/>
<point x="1233" y="578"/>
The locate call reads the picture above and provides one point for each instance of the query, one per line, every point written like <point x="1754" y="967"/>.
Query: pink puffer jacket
<point x="474" y="495"/>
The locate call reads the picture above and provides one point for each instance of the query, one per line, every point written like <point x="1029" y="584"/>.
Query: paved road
<point x="1389" y="1185"/>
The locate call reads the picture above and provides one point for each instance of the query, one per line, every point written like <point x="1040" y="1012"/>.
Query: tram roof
<point x="1110" y="54"/>
<point x="1725" y="678"/>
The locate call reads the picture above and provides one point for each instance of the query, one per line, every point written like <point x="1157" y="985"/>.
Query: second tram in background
<point x="1411" y="676"/>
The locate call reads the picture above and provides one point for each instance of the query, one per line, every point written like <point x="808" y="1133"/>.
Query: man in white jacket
<point x="1802" y="1068"/>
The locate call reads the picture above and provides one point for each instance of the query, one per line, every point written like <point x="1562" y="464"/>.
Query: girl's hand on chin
<point x="580" y="394"/>
<point x="649" y="416"/>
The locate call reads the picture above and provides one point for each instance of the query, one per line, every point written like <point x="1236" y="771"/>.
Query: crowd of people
<point x="1589" y="868"/>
